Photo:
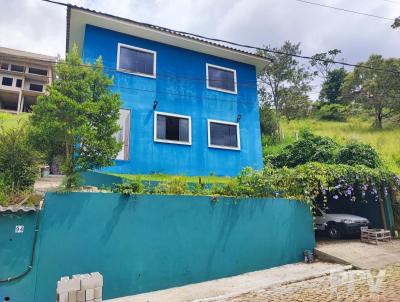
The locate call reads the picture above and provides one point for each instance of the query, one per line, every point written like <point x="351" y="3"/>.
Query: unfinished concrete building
<point x="23" y="77"/>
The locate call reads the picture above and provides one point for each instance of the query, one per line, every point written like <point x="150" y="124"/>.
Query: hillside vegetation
<point x="386" y="141"/>
<point x="9" y="120"/>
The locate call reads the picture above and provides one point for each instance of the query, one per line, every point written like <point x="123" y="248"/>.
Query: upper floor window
<point x="224" y="135"/>
<point x="221" y="78"/>
<point x="136" y="60"/>
<point x="172" y="128"/>
<point x="38" y="71"/>
<point x="36" y="87"/>
<point x="18" y="68"/>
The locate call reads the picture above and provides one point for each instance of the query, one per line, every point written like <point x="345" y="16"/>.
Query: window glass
<point x="224" y="135"/>
<point x="172" y="128"/>
<point x="18" y="68"/>
<point x="36" y="87"/>
<point x="38" y="71"/>
<point x="4" y="66"/>
<point x="7" y="81"/>
<point x="136" y="61"/>
<point x="19" y="83"/>
<point x="123" y="136"/>
<point x="221" y="78"/>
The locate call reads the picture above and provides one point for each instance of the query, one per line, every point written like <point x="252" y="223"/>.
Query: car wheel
<point x="334" y="232"/>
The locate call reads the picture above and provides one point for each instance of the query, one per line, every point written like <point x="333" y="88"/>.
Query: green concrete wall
<point x="151" y="242"/>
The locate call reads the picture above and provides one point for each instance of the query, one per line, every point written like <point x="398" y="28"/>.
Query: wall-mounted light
<point x="239" y="116"/>
<point x="155" y="104"/>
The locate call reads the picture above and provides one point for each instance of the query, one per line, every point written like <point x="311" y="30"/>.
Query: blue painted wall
<point x="187" y="95"/>
<point x="146" y="243"/>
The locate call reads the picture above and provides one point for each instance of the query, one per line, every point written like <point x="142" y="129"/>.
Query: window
<point x="223" y="135"/>
<point x="18" y="68"/>
<point x="19" y="83"/>
<point x="221" y="79"/>
<point x="4" y="66"/>
<point x="172" y="128"/>
<point x="136" y="60"/>
<point x="37" y="71"/>
<point x="7" y="81"/>
<point x="36" y="87"/>
<point x="123" y="136"/>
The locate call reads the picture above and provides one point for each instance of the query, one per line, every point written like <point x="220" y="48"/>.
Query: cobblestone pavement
<point x="356" y="285"/>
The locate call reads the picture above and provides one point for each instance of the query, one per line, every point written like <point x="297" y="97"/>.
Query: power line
<point x="262" y="49"/>
<point x="346" y="10"/>
<point x="391" y="1"/>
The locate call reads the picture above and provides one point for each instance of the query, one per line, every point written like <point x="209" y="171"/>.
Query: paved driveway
<point x="360" y="255"/>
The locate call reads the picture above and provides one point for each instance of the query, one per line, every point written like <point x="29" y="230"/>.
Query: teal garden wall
<point x="150" y="242"/>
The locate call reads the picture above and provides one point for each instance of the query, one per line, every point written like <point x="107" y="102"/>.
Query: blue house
<point x="189" y="105"/>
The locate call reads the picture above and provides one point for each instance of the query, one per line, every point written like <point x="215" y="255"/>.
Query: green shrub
<point x="356" y="153"/>
<point x="174" y="186"/>
<point x="18" y="163"/>
<point x="4" y="194"/>
<point x="309" y="148"/>
<point x="134" y="186"/>
<point x="332" y="112"/>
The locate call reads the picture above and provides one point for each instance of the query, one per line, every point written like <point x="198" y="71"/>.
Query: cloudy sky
<point x="38" y="26"/>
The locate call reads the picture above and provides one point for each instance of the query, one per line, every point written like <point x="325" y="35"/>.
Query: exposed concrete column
<point x="80" y="288"/>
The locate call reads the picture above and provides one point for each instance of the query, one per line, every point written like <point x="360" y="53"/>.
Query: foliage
<point x="332" y="112"/>
<point x="283" y="80"/>
<point x="134" y="186"/>
<point x="303" y="183"/>
<point x="174" y="186"/>
<point x="18" y="163"/>
<point x="157" y="177"/>
<point x="309" y="148"/>
<point x="396" y="23"/>
<point x="79" y="115"/>
<point x="356" y="153"/>
<point x="357" y="127"/>
<point x="268" y="123"/>
<point x="376" y="85"/>
<point x="323" y="62"/>
<point x="331" y="87"/>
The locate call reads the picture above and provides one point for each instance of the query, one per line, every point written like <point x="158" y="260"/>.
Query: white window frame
<point x="128" y="145"/>
<point x="153" y="76"/>
<point x="168" y="141"/>
<point x="224" y="123"/>
<point x="222" y="68"/>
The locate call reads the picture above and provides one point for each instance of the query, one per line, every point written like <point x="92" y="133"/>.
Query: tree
<point x="375" y="84"/>
<point x="283" y="80"/>
<point x="18" y="163"/>
<point x="396" y="23"/>
<point x="323" y="62"/>
<point x="331" y="87"/>
<point x="78" y="115"/>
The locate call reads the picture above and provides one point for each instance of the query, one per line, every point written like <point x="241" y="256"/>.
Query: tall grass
<point x="385" y="141"/>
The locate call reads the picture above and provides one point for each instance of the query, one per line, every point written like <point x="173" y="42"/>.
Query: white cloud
<point x="40" y="27"/>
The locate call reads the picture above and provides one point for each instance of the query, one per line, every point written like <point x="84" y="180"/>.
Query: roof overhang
<point x="77" y="18"/>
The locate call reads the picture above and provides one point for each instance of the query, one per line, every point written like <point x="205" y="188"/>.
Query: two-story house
<point x="23" y="77"/>
<point x="189" y="105"/>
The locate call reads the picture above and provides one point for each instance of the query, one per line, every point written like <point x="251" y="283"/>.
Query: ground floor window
<point x="172" y="128"/>
<point x="224" y="135"/>
<point x="123" y="136"/>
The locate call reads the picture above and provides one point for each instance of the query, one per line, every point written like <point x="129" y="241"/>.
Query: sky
<point x="37" y="26"/>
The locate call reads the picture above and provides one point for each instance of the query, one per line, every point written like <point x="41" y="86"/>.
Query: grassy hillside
<point x="9" y="120"/>
<point x="385" y="141"/>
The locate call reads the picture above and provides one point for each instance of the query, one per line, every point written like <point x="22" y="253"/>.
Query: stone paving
<point x="355" y="285"/>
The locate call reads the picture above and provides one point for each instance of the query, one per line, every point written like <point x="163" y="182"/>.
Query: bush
<point x="356" y="153"/>
<point x="18" y="163"/>
<point x="332" y="112"/>
<point x="174" y="186"/>
<point x="310" y="148"/>
<point x="132" y="187"/>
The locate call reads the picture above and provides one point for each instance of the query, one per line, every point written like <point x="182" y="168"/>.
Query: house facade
<point x="23" y="77"/>
<point x="189" y="106"/>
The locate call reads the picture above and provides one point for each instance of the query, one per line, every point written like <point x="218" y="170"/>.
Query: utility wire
<point x="346" y="10"/>
<point x="264" y="50"/>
